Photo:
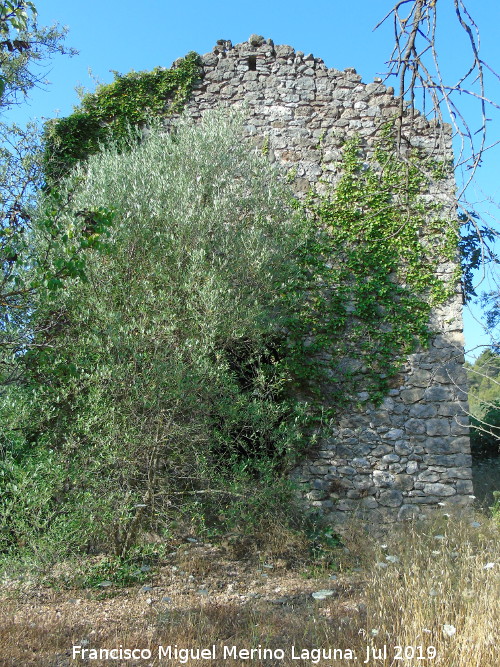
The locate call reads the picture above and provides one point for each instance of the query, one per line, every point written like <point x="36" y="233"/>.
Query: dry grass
<point x="443" y="591"/>
<point x="436" y="592"/>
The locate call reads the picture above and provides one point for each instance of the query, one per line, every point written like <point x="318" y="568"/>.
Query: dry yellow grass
<point x="443" y="590"/>
<point x="436" y="593"/>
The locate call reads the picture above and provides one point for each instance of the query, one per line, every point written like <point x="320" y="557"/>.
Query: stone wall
<point x="411" y="454"/>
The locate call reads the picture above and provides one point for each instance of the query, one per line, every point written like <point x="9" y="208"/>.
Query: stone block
<point x="348" y="471"/>
<point x="346" y="505"/>
<point x="404" y="482"/>
<point x="371" y="436"/>
<point x="317" y="494"/>
<point x="369" y="503"/>
<point x="444" y="445"/>
<point x="423" y="410"/>
<point x="424" y="499"/>
<point x="408" y="512"/>
<point x="363" y="483"/>
<point x="381" y="450"/>
<point x="437" y="426"/>
<point x="449" y="460"/>
<point x="256" y="40"/>
<point x="403" y="448"/>
<point x="390" y="498"/>
<point x="344" y="452"/>
<point x="459" y="427"/>
<point x="452" y="409"/>
<point x="457" y="473"/>
<point x="321" y="484"/>
<point x="440" y="490"/>
<point x="428" y="476"/>
<point x="382" y="478"/>
<point x="305" y="83"/>
<point x="388" y="404"/>
<point x="284" y="51"/>
<point x="412" y="395"/>
<point x="415" y="426"/>
<point x="325" y="504"/>
<point x="462" y="444"/>
<point x="420" y="378"/>
<point x="464" y="486"/>
<point x="393" y="434"/>
<point x="391" y="458"/>
<point x="412" y="467"/>
<point x="453" y="370"/>
<point x="438" y="393"/>
<point x="361" y="463"/>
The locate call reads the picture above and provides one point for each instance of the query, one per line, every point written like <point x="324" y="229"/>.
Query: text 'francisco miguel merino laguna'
<point x="182" y="655"/>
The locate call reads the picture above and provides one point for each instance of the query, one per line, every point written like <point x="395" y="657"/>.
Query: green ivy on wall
<point x="369" y="258"/>
<point x="108" y="113"/>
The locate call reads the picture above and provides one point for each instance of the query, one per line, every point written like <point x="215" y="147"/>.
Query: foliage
<point x="156" y="376"/>
<point x="370" y="278"/>
<point x="495" y="508"/>
<point x="131" y="100"/>
<point x="59" y="256"/>
<point x="490" y="302"/>
<point x="24" y="48"/>
<point x="187" y="373"/>
<point x="484" y="377"/>
<point x="484" y="401"/>
<point x="119" y="571"/>
<point x="476" y="250"/>
<point x="485" y="430"/>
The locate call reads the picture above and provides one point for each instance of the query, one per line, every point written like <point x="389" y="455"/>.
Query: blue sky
<point x="122" y="35"/>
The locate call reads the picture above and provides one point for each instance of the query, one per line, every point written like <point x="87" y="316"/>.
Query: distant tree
<point x="485" y="431"/>
<point x="24" y="50"/>
<point x="484" y="401"/>
<point x="484" y="377"/>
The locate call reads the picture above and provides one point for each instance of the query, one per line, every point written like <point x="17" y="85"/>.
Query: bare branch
<point x="415" y="63"/>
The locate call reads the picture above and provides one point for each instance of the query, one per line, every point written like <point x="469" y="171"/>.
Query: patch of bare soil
<point x="198" y="598"/>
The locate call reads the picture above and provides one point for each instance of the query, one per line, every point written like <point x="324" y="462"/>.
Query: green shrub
<point x="157" y="377"/>
<point x="485" y="430"/>
<point x="186" y="374"/>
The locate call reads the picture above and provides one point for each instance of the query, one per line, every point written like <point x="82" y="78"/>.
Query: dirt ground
<point x="200" y="598"/>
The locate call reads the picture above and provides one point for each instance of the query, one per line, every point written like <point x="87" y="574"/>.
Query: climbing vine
<point x="369" y="257"/>
<point x="108" y="113"/>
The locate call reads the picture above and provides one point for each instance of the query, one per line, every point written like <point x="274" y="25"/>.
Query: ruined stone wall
<point x="412" y="453"/>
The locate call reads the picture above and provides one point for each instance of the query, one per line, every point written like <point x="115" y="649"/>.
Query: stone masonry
<point x="411" y="454"/>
